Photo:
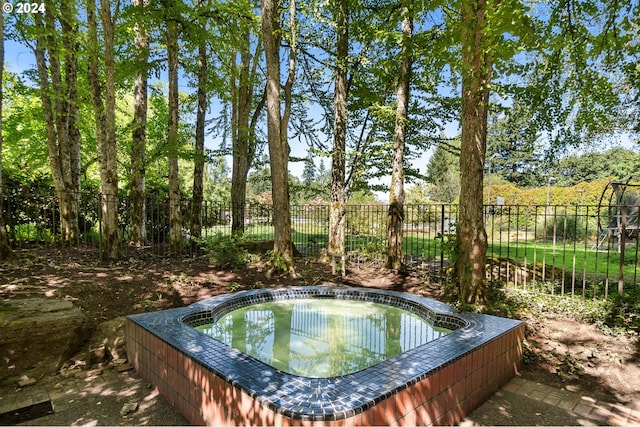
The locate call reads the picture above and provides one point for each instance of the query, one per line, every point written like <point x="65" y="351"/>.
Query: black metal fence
<point x="578" y="250"/>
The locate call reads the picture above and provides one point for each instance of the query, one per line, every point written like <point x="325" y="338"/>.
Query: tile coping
<point x="323" y="399"/>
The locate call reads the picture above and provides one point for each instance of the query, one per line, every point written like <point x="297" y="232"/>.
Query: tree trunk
<point x="104" y="113"/>
<point x="198" y="167"/>
<point x="395" y="220"/>
<point x="60" y="113"/>
<point x="243" y="144"/>
<point x="338" y="208"/>
<point x="5" y="251"/>
<point x="175" y="215"/>
<point x="69" y="31"/>
<point x="470" y="264"/>
<point x="278" y="147"/>
<point x="288" y="86"/>
<point x="107" y="148"/>
<point x="137" y="192"/>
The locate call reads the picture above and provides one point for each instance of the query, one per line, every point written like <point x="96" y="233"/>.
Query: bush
<point x="566" y="227"/>
<point x="615" y="315"/>
<point x="630" y="256"/>
<point x="366" y="220"/>
<point x="224" y="251"/>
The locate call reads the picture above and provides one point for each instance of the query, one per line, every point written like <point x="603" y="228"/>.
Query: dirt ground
<point x="559" y="352"/>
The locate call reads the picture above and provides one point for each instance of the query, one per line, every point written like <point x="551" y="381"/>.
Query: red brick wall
<point x="443" y="398"/>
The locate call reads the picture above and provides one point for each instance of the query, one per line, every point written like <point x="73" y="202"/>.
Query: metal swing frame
<point x="622" y="217"/>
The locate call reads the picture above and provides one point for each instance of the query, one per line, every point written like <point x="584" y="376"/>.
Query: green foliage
<point x="418" y="194"/>
<point x="449" y="246"/>
<point x="234" y="286"/>
<point x="22" y="124"/>
<point x="32" y="212"/>
<point x="30" y="232"/>
<point x="374" y="248"/>
<point x="276" y="261"/>
<point x="153" y="304"/>
<point x="566" y="227"/>
<point x="224" y="251"/>
<point x="616" y="162"/>
<point x="630" y="256"/>
<point x="443" y="172"/>
<point x="621" y="314"/>
<point x="584" y="193"/>
<point x="575" y="75"/>
<point x="512" y="148"/>
<point x="366" y="220"/>
<point x="614" y="315"/>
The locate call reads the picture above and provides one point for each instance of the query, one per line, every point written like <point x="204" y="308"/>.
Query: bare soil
<point x="559" y="352"/>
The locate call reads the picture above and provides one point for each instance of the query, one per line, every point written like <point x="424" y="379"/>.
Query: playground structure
<point x="618" y="212"/>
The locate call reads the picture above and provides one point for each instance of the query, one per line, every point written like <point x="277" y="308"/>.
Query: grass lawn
<point x="586" y="263"/>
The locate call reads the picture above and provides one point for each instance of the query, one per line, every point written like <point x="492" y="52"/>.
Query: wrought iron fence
<point x="578" y="250"/>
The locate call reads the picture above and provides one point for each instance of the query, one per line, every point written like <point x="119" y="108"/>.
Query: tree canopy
<point x="142" y="97"/>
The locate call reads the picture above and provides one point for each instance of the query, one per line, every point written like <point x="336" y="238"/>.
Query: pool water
<point x="322" y="338"/>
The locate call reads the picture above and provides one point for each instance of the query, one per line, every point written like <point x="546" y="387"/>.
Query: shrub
<point x="615" y="315"/>
<point x="224" y="251"/>
<point x="630" y="256"/>
<point x="565" y="227"/>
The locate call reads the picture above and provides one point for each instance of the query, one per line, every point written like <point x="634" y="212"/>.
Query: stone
<point x="26" y="381"/>
<point x="93" y="373"/>
<point x="105" y="345"/>
<point x="124" y="367"/>
<point x="37" y="335"/>
<point x="110" y="334"/>
<point x="128" y="408"/>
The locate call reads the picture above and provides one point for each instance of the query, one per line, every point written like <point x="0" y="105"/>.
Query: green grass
<point x="586" y="263"/>
<point x="581" y="259"/>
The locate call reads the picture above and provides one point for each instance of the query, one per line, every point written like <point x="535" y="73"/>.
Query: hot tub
<point x="438" y="382"/>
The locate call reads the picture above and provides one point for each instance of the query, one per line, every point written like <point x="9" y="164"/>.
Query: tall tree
<point x="137" y="192"/>
<point x="108" y="153"/>
<point x="337" y="207"/>
<point x="5" y="251"/>
<point x="55" y="51"/>
<point x="443" y="172"/>
<point x="477" y="64"/>
<point x="278" y="145"/>
<point x="309" y="172"/>
<point x="105" y="118"/>
<point x="395" y="219"/>
<point x="243" y="83"/>
<point x="175" y="214"/>
<point x="198" y="167"/>
<point x="515" y="148"/>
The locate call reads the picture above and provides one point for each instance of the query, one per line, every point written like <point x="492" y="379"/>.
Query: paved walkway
<point x="92" y="398"/>
<point x="522" y="402"/>
<point x="100" y="398"/>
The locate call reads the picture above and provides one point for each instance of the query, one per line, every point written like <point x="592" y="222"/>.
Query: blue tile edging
<point x="323" y="399"/>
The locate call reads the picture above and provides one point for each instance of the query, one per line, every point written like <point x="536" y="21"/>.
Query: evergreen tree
<point x="309" y="173"/>
<point x="514" y="148"/>
<point x="443" y="172"/>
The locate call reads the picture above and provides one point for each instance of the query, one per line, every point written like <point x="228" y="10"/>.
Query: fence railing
<point x="578" y="250"/>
